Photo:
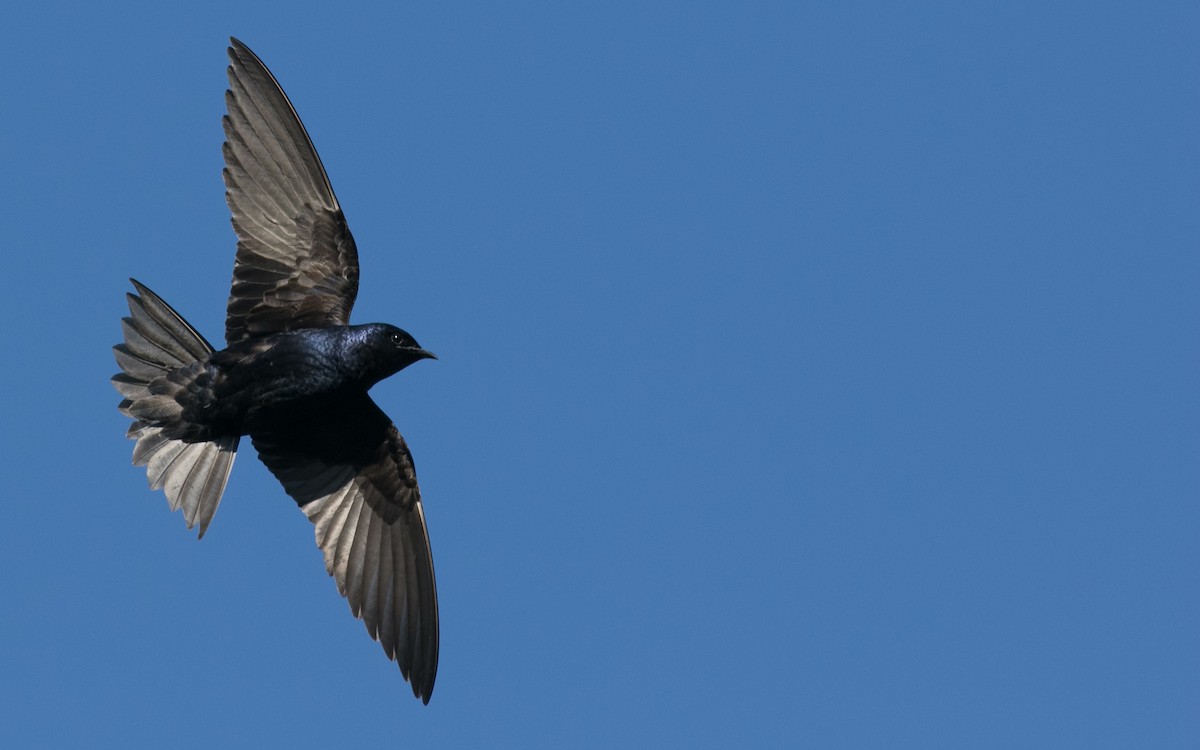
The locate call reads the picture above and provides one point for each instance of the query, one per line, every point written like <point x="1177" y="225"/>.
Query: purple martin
<point x="293" y="376"/>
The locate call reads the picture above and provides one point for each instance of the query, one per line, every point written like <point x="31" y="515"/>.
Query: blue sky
<point x="811" y="375"/>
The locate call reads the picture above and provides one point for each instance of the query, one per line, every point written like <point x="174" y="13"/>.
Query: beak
<point x="425" y="354"/>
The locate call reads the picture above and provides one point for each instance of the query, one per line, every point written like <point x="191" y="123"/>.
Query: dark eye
<point x="397" y="339"/>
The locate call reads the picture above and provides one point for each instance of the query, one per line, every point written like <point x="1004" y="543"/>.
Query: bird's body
<point x="253" y="385"/>
<point x="293" y="377"/>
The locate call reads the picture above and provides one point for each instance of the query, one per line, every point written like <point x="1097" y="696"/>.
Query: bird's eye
<point x="397" y="339"/>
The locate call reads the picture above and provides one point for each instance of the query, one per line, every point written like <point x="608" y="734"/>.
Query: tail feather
<point x="138" y="369"/>
<point x="156" y="321"/>
<point x="158" y="342"/>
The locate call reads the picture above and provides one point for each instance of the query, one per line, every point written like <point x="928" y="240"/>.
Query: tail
<point x="158" y="342"/>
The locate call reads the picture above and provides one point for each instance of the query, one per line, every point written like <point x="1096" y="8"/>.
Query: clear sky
<point x="812" y="375"/>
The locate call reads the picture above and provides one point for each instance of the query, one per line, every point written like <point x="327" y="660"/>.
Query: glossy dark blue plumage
<point x="294" y="378"/>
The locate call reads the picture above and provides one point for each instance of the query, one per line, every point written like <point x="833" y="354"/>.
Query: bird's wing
<point x="351" y="472"/>
<point x="297" y="266"/>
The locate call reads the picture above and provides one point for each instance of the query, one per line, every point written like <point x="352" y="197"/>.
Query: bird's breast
<point x="278" y="377"/>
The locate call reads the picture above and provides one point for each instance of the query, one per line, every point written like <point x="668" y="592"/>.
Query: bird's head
<point x="390" y="350"/>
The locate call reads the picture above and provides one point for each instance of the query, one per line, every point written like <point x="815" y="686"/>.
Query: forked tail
<point x="158" y="341"/>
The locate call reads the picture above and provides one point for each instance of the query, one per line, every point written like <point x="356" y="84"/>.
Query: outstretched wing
<point x="350" y="471"/>
<point x="297" y="266"/>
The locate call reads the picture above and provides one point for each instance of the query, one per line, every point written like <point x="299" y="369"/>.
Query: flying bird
<point x="293" y="376"/>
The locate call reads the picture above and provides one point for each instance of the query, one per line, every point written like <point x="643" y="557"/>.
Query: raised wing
<point x="350" y="471"/>
<point x="296" y="266"/>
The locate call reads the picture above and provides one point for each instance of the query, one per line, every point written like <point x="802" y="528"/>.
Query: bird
<point x="294" y="377"/>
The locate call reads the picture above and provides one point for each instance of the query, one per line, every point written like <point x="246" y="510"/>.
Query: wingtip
<point x="238" y="52"/>
<point x="143" y="290"/>
<point x="422" y="684"/>
<point x="424" y="692"/>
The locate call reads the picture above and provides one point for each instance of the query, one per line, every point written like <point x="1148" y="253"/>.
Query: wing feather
<point x="351" y="472"/>
<point x="296" y="265"/>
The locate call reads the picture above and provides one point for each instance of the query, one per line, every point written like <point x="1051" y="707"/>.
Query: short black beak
<point x="425" y="354"/>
